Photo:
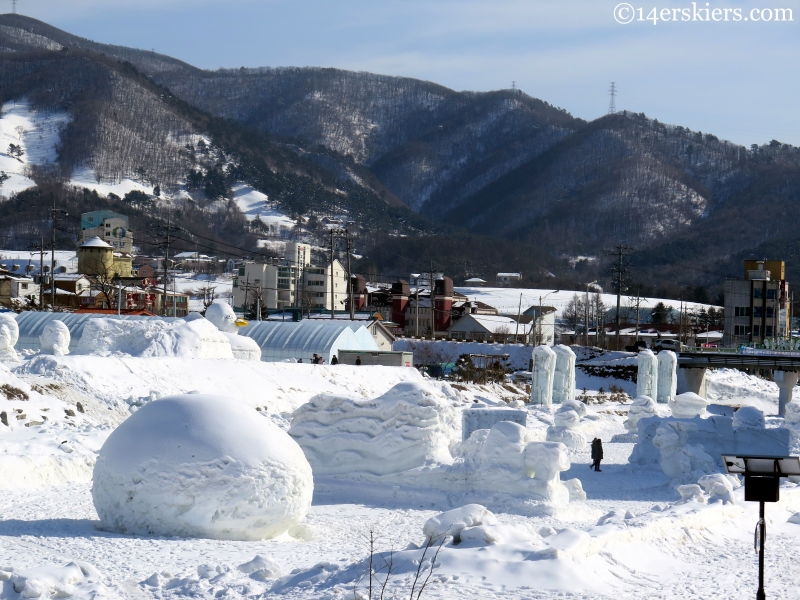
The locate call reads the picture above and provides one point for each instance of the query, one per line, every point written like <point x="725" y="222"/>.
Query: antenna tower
<point x="612" y="105"/>
<point x="13" y="7"/>
<point x="514" y="87"/>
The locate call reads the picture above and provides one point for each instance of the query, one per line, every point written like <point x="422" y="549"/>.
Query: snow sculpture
<point x="480" y="416"/>
<point x="680" y="460"/>
<point x="642" y="408"/>
<point x="564" y="429"/>
<point x="544" y="461"/>
<point x="409" y="426"/>
<point x="452" y="522"/>
<point x="688" y="405"/>
<point x="55" y="339"/>
<point x="576" y="405"/>
<point x="667" y="383"/>
<point x="749" y="416"/>
<point x="9" y="334"/>
<point x="718" y="487"/>
<point x="201" y="466"/>
<point x="544" y="364"/>
<point x="221" y="315"/>
<point x="150" y="338"/>
<point x="647" y="377"/>
<point x="564" y="374"/>
<point x="691" y="492"/>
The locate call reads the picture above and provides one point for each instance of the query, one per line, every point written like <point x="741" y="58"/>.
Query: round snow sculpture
<point x="9" y="334"/>
<point x="222" y="316"/>
<point x="201" y="466"/>
<point x="55" y="338"/>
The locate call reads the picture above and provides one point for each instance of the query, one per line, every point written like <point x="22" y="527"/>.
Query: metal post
<point x="351" y="295"/>
<point x="587" y="314"/>
<point x="762" y="534"/>
<point x="417" y="309"/>
<point x="119" y="297"/>
<point x="41" y="273"/>
<point x="519" y="316"/>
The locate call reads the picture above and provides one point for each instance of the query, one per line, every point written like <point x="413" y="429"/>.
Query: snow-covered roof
<point x="492" y="323"/>
<point x="509" y="275"/>
<point x="95" y="242"/>
<point x="475" y="280"/>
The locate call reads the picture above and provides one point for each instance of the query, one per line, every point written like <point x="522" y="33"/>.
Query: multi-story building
<point x="294" y="283"/>
<point x="756" y="307"/>
<point x="109" y="226"/>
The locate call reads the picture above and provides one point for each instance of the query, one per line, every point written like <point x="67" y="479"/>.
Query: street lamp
<point x="762" y="475"/>
<point x="586" y="333"/>
<point x="416" y="303"/>
<point x="540" y="313"/>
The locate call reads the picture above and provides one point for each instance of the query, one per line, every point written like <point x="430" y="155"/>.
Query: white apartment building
<point x="279" y="286"/>
<point x="109" y="226"/>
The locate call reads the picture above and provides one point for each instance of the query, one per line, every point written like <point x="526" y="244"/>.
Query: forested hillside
<point x="498" y="180"/>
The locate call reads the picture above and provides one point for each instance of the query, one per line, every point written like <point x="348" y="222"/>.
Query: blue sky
<point x="734" y="79"/>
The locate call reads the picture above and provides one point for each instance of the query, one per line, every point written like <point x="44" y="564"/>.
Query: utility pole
<point x="351" y="296"/>
<point x="586" y="306"/>
<point x="55" y="213"/>
<point x="333" y="295"/>
<point x="40" y="248"/>
<point x="168" y="229"/>
<point x="619" y="269"/>
<point x="638" y="304"/>
<point x="519" y="316"/>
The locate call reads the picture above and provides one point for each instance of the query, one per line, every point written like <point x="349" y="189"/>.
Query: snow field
<point x="630" y="539"/>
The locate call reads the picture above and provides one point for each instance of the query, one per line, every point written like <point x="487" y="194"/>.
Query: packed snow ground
<point x="629" y="540"/>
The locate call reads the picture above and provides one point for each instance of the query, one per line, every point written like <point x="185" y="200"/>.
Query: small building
<point x="490" y="328"/>
<point x="474" y="282"/>
<point x="177" y="304"/>
<point x="508" y="279"/>
<point x="756" y="306"/>
<point x="17" y="289"/>
<point x="109" y="226"/>
<point x="98" y="259"/>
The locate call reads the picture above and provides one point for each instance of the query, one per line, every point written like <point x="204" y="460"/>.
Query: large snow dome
<point x="201" y="466"/>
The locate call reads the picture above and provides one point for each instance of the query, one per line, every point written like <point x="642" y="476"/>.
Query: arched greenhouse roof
<point x="280" y="340"/>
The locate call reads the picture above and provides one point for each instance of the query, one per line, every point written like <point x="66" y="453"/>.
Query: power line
<point x="619" y="269"/>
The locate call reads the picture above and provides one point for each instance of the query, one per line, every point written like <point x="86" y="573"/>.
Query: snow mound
<point x="55" y="339"/>
<point x="409" y="426"/>
<point x="9" y="334"/>
<point x="748" y="416"/>
<point x="153" y="338"/>
<point x="261" y="567"/>
<point x="75" y="580"/>
<point x="452" y="522"/>
<point x="201" y="466"/>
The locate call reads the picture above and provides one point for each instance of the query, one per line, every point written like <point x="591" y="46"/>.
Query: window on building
<point x="756" y="330"/>
<point x="741" y="330"/>
<point x="756" y="312"/>
<point x="770" y="312"/>
<point x="768" y="331"/>
<point x="772" y="294"/>
<point x="758" y="292"/>
<point x="741" y="311"/>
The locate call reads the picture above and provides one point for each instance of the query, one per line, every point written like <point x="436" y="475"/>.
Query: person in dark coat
<point x="597" y="453"/>
<point x="358" y="360"/>
<point x="334" y="360"/>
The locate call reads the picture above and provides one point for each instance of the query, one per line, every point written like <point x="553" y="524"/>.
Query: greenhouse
<point x="280" y="340"/>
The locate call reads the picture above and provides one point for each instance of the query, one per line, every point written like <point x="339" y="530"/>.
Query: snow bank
<point x="151" y="338"/>
<point x="748" y="416"/>
<point x="201" y="466"/>
<point x="55" y="339"/>
<point x="9" y="334"/>
<point x="411" y="425"/>
<point x="77" y="580"/>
